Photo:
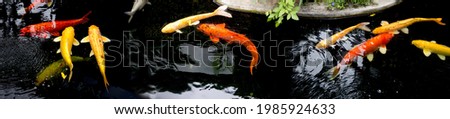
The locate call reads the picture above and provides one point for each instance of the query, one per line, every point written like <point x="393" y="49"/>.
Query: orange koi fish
<point x="401" y="25"/>
<point x="364" y="49"/>
<point x="334" y="38"/>
<point x="96" y="40"/>
<point x="219" y="31"/>
<point x="42" y="29"/>
<point x="66" y="41"/>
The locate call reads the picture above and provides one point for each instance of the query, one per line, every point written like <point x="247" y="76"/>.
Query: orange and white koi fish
<point x="429" y="47"/>
<point x="364" y="49"/>
<point x="325" y="43"/>
<point x="193" y="20"/>
<point x="36" y="30"/>
<point x="96" y="40"/>
<point x="401" y="25"/>
<point x="216" y="32"/>
<point x="137" y="5"/>
<point x="66" y="41"/>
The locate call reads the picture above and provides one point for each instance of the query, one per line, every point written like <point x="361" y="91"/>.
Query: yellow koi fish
<point x="66" y="41"/>
<point x="401" y="25"/>
<point x="193" y="20"/>
<point x="55" y="68"/>
<point x="429" y="47"/>
<point x="96" y="40"/>
<point x="325" y="43"/>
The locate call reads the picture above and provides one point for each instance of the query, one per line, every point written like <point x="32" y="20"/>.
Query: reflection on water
<point x="197" y="90"/>
<point x="312" y="63"/>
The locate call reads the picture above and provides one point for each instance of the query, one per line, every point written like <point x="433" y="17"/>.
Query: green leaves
<point x="285" y="8"/>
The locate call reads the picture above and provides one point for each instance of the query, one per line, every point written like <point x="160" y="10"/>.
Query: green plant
<point x="285" y="8"/>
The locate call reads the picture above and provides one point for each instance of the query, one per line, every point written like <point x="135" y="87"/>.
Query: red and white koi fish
<point x="216" y="32"/>
<point x="53" y="28"/>
<point x="401" y="25"/>
<point x="364" y="49"/>
<point x="37" y="3"/>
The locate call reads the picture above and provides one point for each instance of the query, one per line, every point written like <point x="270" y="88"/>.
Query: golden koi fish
<point x="66" y="41"/>
<point x="429" y="47"/>
<point x="334" y="38"/>
<point x="96" y="40"/>
<point x="401" y="25"/>
<point x="194" y="20"/>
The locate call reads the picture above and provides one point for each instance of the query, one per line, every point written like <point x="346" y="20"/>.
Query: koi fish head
<point x="206" y="28"/>
<point x="169" y="28"/>
<point x="93" y="30"/>
<point x="419" y="43"/>
<point x="24" y="31"/>
<point x="69" y="31"/>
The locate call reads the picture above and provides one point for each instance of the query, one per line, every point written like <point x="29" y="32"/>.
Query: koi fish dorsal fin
<point x="222" y="25"/>
<point x="433" y="41"/>
<point x="383" y="23"/>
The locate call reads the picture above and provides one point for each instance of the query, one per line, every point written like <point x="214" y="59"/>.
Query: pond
<point x="142" y="62"/>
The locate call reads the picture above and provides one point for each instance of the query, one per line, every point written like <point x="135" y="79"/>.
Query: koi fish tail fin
<point x="363" y="26"/>
<point x="254" y="62"/>
<point x="221" y="11"/>
<point x="85" y="18"/>
<point x="130" y="14"/>
<point x="71" y="72"/>
<point x="439" y="21"/>
<point x="333" y="72"/>
<point x="105" y="81"/>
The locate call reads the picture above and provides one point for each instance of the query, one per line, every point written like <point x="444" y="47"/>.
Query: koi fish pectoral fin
<point x="105" y="39"/>
<point x="63" y="75"/>
<point x="91" y="54"/>
<point x="57" y="39"/>
<point x="405" y="30"/>
<point x="179" y="31"/>
<point x="214" y="39"/>
<point x="85" y="40"/>
<point x="426" y="52"/>
<point x="75" y="42"/>
<point x="363" y="26"/>
<point x="383" y="49"/>
<point x="442" y="57"/>
<point x="396" y="32"/>
<point x="193" y="23"/>
<point x="370" y="57"/>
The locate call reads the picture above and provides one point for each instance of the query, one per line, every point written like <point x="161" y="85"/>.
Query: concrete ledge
<point x="310" y="10"/>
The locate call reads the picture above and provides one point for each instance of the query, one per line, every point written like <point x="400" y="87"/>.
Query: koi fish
<point x="364" y="49"/>
<point x="66" y="41"/>
<point x="194" y="20"/>
<point x="38" y="3"/>
<point x="334" y="38"/>
<point x="42" y="29"/>
<point x="96" y="40"/>
<point x="219" y="31"/>
<point x="429" y="47"/>
<point x="54" y="69"/>
<point x="137" y="5"/>
<point x="401" y="25"/>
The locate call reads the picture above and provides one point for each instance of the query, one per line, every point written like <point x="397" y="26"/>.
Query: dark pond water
<point x="144" y="63"/>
